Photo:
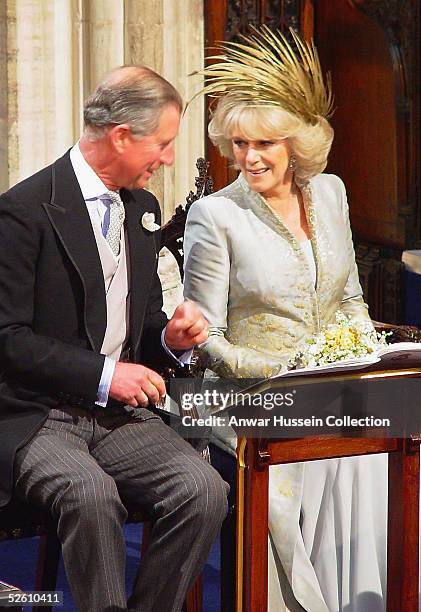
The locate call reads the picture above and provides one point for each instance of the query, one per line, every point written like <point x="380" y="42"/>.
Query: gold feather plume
<point x="264" y="70"/>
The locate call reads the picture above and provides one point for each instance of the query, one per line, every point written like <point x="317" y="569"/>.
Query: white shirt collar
<point x="89" y="182"/>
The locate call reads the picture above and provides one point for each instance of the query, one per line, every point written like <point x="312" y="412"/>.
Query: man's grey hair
<point x="134" y="95"/>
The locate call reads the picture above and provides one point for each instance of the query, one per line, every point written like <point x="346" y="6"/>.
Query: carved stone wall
<point x="170" y="35"/>
<point x="53" y="52"/>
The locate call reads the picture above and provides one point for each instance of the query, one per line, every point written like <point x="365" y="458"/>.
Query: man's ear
<point x="120" y="137"/>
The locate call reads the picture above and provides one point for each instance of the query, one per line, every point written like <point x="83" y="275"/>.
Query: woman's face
<point x="264" y="164"/>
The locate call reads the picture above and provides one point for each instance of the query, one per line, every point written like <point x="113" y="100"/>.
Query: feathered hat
<point x="264" y="70"/>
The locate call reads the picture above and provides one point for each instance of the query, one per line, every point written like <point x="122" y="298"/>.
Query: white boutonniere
<point x="148" y="222"/>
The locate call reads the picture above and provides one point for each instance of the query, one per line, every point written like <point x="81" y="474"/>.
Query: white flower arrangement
<point x="343" y="340"/>
<point x="148" y="222"/>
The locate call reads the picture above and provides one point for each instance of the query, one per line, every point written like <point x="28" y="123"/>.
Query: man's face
<point x="141" y="158"/>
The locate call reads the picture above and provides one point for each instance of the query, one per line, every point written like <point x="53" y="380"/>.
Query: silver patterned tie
<point x="117" y="215"/>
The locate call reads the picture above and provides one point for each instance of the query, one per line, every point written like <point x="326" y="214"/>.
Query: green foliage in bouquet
<point x="343" y="340"/>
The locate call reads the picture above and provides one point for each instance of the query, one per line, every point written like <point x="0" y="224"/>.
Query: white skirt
<point x="328" y="535"/>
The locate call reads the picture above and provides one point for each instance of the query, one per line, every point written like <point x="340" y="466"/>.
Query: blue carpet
<point x="18" y="565"/>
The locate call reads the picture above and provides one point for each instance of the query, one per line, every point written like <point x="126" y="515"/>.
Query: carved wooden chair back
<point x="172" y="233"/>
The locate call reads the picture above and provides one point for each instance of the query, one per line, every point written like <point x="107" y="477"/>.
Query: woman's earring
<point x="292" y="164"/>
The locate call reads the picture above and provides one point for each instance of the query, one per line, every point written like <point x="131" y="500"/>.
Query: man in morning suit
<point x="80" y="327"/>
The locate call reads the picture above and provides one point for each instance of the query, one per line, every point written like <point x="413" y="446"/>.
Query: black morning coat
<point x="52" y="302"/>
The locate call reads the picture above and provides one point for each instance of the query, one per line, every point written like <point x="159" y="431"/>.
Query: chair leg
<point x="403" y="528"/>
<point x="47" y="566"/>
<point x="194" y="599"/>
<point x="226" y="465"/>
<point x="227" y="560"/>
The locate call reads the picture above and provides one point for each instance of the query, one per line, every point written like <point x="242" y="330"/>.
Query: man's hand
<point x="186" y="328"/>
<point x="136" y="385"/>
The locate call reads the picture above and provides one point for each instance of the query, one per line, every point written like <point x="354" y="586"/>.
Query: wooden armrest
<point x="399" y="333"/>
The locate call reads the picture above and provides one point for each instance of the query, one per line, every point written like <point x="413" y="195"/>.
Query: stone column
<point x="106" y="37"/>
<point x="7" y="86"/>
<point x="56" y="51"/>
<point x="183" y="46"/>
<point x="167" y="36"/>
<point x="44" y="103"/>
<point x="53" y="52"/>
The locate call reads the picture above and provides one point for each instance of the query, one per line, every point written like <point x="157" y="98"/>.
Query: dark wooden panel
<point x="215" y="23"/>
<point x="356" y="51"/>
<point x="381" y="277"/>
<point x="373" y="49"/>
<point x="225" y="20"/>
<point x="325" y="447"/>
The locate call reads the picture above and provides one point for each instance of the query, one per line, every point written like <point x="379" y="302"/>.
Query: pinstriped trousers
<point x="81" y="464"/>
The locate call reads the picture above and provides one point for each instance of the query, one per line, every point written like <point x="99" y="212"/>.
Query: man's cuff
<point x="105" y="382"/>
<point x="181" y="357"/>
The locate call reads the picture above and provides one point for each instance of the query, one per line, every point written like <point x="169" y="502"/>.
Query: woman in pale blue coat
<point x="270" y="259"/>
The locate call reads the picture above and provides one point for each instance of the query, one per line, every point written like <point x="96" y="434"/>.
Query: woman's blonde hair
<point x="309" y="143"/>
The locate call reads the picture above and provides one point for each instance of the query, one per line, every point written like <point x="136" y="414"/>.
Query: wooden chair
<point x="20" y="520"/>
<point x="172" y="233"/>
